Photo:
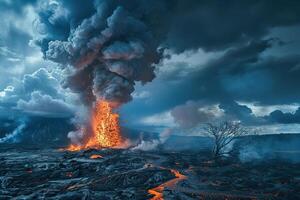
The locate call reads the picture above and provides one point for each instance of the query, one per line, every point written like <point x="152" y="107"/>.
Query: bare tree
<point x="224" y="134"/>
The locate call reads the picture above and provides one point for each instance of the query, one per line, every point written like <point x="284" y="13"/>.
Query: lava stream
<point x="157" y="192"/>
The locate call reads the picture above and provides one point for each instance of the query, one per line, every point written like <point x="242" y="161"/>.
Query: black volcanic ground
<point x="32" y="173"/>
<point x="265" y="167"/>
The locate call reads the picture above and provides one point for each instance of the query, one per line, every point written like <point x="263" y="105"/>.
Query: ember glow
<point x="95" y="156"/>
<point x="105" y="129"/>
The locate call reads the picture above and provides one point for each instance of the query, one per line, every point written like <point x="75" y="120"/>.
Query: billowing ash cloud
<point x="106" y="48"/>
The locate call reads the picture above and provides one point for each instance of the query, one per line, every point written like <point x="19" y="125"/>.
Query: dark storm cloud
<point x="17" y="57"/>
<point x="235" y="111"/>
<point x="208" y="82"/>
<point x="17" y="41"/>
<point x="278" y="116"/>
<point x="216" y="25"/>
<point x="45" y="105"/>
<point x="242" y="73"/>
<point x="271" y="81"/>
<point x="42" y="81"/>
<point x="111" y="45"/>
<point x="39" y="94"/>
<point x="12" y="36"/>
<point x="13" y="51"/>
<point x="122" y="37"/>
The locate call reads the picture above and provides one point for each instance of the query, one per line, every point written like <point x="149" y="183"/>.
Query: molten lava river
<point x="157" y="192"/>
<point x="105" y="129"/>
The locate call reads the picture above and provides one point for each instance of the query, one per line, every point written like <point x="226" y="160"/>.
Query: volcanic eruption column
<point x="104" y="48"/>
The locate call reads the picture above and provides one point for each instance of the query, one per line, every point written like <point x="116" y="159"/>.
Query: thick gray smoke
<point x="105" y="46"/>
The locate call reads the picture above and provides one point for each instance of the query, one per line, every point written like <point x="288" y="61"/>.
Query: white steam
<point x="153" y="144"/>
<point x="14" y="136"/>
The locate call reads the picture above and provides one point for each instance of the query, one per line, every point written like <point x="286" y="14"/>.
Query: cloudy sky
<point x="170" y="63"/>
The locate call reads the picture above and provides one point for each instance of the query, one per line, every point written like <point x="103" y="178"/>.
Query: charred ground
<point x="34" y="173"/>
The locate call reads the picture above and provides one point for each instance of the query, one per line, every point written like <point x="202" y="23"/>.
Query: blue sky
<point x="211" y="62"/>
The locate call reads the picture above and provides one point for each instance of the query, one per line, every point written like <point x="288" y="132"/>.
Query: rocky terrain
<point x="35" y="173"/>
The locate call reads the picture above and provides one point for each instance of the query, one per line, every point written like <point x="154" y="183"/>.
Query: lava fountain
<point x="105" y="129"/>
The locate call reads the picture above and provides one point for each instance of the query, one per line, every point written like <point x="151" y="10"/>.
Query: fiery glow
<point x="105" y="129"/>
<point x="95" y="156"/>
<point x="157" y="192"/>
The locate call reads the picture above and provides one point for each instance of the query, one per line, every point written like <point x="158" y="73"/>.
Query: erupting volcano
<point x="105" y="129"/>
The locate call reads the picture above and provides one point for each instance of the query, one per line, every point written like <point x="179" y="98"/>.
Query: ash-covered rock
<point x="54" y="174"/>
<point x="30" y="173"/>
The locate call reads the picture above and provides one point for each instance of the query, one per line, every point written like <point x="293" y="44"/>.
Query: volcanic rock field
<point x="30" y="173"/>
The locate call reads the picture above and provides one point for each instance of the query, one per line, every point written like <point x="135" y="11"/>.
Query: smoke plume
<point x="105" y="48"/>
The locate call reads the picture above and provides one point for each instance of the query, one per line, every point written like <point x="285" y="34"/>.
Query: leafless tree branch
<point x="224" y="134"/>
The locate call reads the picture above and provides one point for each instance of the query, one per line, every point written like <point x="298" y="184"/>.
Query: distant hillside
<point x="51" y="132"/>
<point x="186" y="143"/>
<point x="273" y="146"/>
<point x="42" y="131"/>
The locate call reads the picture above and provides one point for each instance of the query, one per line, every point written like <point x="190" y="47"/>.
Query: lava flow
<point x="105" y="129"/>
<point x="95" y="156"/>
<point x="157" y="192"/>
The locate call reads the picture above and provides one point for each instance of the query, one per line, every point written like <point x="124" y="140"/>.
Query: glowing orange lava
<point x="95" y="156"/>
<point x="105" y="129"/>
<point x="157" y="192"/>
